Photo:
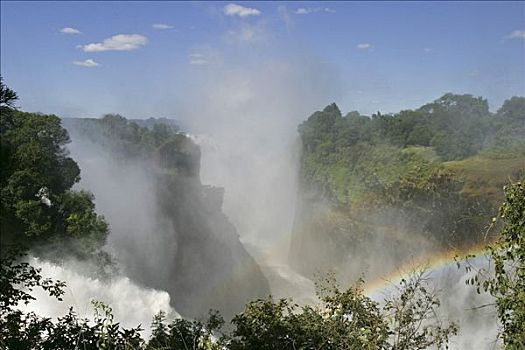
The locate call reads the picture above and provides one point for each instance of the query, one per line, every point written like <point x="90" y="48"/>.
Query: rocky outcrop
<point x="173" y="234"/>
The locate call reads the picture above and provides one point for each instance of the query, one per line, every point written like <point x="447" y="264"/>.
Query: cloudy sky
<point x="140" y="59"/>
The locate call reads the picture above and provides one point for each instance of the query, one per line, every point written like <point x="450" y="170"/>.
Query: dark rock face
<point x="210" y="268"/>
<point x="187" y="246"/>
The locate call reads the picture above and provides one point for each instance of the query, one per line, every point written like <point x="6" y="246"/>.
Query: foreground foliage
<point x="506" y="282"/>
<point x="343" y="320"/>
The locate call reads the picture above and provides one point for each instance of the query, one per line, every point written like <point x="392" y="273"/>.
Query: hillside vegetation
<point x="413" y="182"/>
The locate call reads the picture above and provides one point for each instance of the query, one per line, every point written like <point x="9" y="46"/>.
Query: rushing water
<point x="132" y="305"/>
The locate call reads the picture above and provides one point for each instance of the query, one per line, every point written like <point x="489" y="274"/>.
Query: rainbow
<point x="435" y="262"/>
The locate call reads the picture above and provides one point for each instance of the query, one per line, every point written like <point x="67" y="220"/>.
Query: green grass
<point x="485" y="175"/>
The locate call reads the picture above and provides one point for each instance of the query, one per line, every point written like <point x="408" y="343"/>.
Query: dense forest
<point x="417" y="164"/>
<point x="418" y="181"/>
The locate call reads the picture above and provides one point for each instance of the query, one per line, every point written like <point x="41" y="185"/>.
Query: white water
<point x="132" y="305"/>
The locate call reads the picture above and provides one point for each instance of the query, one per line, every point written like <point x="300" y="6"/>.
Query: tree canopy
<point x="38" y="207"/>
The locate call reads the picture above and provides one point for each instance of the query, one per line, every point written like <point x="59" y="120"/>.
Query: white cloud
<point x="69" y="30"/>
<point x="241" y="11"/>
<point x="161" y="26"/>
<point x="86" y="63"/>
<point x="517" y="34"/>
<point x="119" y="42"/>
<point x="364" y="46"/>
<point x="308" y="10"/>
<point x="197" y="59"/>
<point x="427" y="49"/>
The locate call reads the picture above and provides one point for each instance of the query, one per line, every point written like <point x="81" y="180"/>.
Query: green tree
<point x="513" y="110"/>
<point x="7" y="96"/>
<point x="413" y="316"/>
<point x="509" y="127"/>
<point x="37" y="205"/>
<point x="507" y="282"/>
<point x="17" y="280"/>
<point x="345" y="320"/>
<point x="185" y="334"/>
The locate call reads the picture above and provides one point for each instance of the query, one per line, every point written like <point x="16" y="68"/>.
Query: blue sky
<point x="145" y="59"/>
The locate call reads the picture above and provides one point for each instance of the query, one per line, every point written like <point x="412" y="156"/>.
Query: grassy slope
<point x="485" y="175"/>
